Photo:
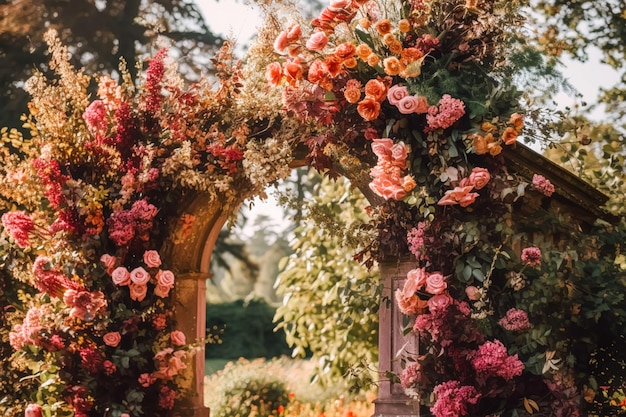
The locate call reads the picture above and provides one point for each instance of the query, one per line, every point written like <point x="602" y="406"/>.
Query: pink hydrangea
<point x="411" y="375"/>
<point x="415" y="239"/>
<point x="449" y="111"/>
<point x="543" y="185"/>
<point x="531" y="256"/>
<point x="515" y="320"/>
<point x="454" y="399"/>
<point x="492" y="360"/>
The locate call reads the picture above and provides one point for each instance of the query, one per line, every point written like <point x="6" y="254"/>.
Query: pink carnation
<point x="543" y="185"/>
<point x="515" y="320"/>
<point x="531" y="256"/>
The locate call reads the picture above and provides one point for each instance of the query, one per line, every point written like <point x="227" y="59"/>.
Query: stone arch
<point x="189" y="250"/>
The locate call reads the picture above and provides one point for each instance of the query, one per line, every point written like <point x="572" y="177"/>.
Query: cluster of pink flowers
<point x="49" y="280"/>
<point x="531" y="256"/>
<point x="91" y="360"/>
<point x="388" y="179"/>
<point x="137" y="280"/>
<point x="95" y="115"/>
<point x="50" y="174"/>
<point x="492" y="360"/>
<point x="418" y="279"/>
<point x="166" y="397"/>
<point x="154" y="76"/>
<point x="125" y="225"/>
<point x="19" y="225"/>
<point x="515" y="320"/>
<point x="29" y="332"/>
<point x="543" y="185"/>
<point x="169" y="363"/>
<point x="411" y="376"/>
<point x="463" y="194"/>
<point x="84" y="305"/>
<point x="399" y="96"/>
<point x="454" y="399"/>
<point x="415" y="239"/>
<point x="449" y="111"/>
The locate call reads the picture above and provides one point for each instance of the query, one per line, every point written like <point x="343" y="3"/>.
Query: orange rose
<point x="317" y="71"/>
<point x="411" y="54"/>
<point x="365" y="23"/>
<point x="404" y="26"/>
<point x="395" y="47"/>
<point x="350" y="62"/>
<point x="138" y="292"/>
<point x="481" y="142"/>
<point x="494" y="149"/>
<point x="333" y="64"/>
<point x="488" y="127"/>
<point x="383" y="26"/>
<point x="377" y="89"/>
<point x="345" y="50"/>
<point x="352" y="95"/>
<point x="388" y="39"/>
<point x="293" y="72"/>
<point x="408" y="183"/>
<point x="369" y="108"/>
<point x="392" y="65"/>
<point x="373" y="60"/>
<point x="363" y="51"/>
<point x="517" y="120"/>
<point x="509" y="136"/>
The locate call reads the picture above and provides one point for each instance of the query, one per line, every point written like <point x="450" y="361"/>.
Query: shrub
<point x="245" y="388"/>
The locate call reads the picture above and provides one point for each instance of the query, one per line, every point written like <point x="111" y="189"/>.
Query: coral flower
<point x="352" y="93"/>
<point x="404" y="26"/>
<point x="376" y="88"/>
<point x="369" y="108"/>
<point x="363" y="51"/>
<point x="365" y="23"/>
<point x="345" y="50"/>
<point x="383" y="26"/>
<point x="517" y="120"/>
<point x="395" y="47"/>
<point x="373" y="60"/>
<point x="509" y="136"/>
<point x="274" y="73"/>
<point x="293" y="72"/>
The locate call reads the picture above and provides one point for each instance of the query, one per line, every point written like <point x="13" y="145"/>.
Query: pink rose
<point x="274" y="73"/>
<point x="69" y="297"/>
<point x="382" y="147"/>
<point x="396" y="93"/>
<point x="338" y="5"/>
<point x="108" y="261"/>
<point x="455" y="196"/>
<point x="409" y="305"/>
<point x="178" y="338"/>
<point x="120" y="276"/>
<point x="317" y="41"/>
<point x="479" y="177"/>
<point x="161" y="291"/>
<point x="387" y="188"/>
<point x="408" y="105"/>
<point x="473" y="293"/>
<point x="139" y="276"/>
<point x="416" y="279"/>
<point x="152" y="259"/>
<point x="467" y="199"/>
<point x="138" y="291"/>
<point x="399" y="153"/>
<point x="293" y="33"/>
<point x="436" y="283"/>
<point x="439" y="302"/>
<point x="33" y="410"/>
<point x="165" y="278"/>
<point x="112" y="339"/>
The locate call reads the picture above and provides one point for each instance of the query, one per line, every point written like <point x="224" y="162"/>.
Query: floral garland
<point x="423" y="91"/>
<point x="89" y="201"/>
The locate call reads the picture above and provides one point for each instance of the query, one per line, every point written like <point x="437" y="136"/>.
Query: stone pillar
<point x="190" y="291"/>
<point x="391" y="401"/>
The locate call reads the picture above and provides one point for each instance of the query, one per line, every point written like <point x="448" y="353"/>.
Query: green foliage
<point x="247" y="330"/>
<point x="245" y="389"/>
<point x="331" y="302"/>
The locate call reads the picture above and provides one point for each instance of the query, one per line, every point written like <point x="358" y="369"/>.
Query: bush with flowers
<point x="90" y="199"/>
<point x="519" y="306"/>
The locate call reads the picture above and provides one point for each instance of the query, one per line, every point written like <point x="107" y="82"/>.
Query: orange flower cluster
<point x="488" y="143"/>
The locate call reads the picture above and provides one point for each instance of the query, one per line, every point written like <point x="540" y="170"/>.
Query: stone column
<point x="190" y="291"/>
<point x="391" y="401"/>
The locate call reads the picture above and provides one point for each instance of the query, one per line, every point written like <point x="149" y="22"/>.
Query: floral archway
<point x="112" y="205"/>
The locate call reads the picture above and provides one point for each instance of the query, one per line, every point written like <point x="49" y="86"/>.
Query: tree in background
<point x="330" y="304"/>
<point x="99" y="34"/>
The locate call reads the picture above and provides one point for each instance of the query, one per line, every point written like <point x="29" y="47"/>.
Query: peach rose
<point x="473" y="293"/>
<point x="416" y="279"/>
<point x="409" y="305"/>
<point x="509" y="136"/>
<point x="373" y="60"/>
<point x="274" y="73"/>
<point x="178" y="338"/>
<point x="139" y="276"/>
<point x="317" y="71"/>
<point x="138" y="291"/>
<point x="454" y="196"/>
<point x="517" y="120"/>
<point x="317" y="41"/>
<point x="382" y="147"/>
<point x="494" y="149"/>
<point x="152" y="259"/>
<point x="350" y="63"/>
<point x="404" y="26"/>
<point x="468" y="199"/>
<point x="293" y="72"/>
<point x="399" y="152"/>
<point x="112" y="339"/>
<point x="120" y="276"/>
<point x="488" y="127"/>
<point x="365" y="23"/>
<point x="479" y="178"/>
<point x="165" y="278"/>
<point x="396" y="93"/>
<point x="395" y="47"/>
<point x="422" y="105"/>
<point x="333" y="64"/>
<point x="352" y="94"/>
<point x="436" y="283"/>
<point x="368" y="108"/>
<point x="108" y="261"/>
<point x="387" y="188"/>
<point x="408" y="183"/>
<point x="162" y="291"/>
